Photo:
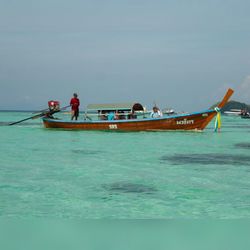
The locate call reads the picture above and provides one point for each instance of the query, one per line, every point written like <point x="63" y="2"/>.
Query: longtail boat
<point x="194" y="121"/>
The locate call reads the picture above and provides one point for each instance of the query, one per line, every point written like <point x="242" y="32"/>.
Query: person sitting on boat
<point x="75" y="103"/>
<point x="156" y="113"/>
<point x="102" y="115"/>
<point x="111" y="116"/>
<point x="132" y="115"/>
<point x="121" y="115"/>
<point x="244" y="112"/>
<point x="116" y="115"/>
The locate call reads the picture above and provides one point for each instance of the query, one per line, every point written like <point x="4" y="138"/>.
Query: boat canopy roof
<point x="115" y="106"/>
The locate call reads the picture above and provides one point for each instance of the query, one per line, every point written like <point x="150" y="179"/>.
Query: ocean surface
<point x="46" y="173"/>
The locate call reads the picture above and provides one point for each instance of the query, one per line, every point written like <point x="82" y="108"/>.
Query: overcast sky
<point x="180" y="54"/>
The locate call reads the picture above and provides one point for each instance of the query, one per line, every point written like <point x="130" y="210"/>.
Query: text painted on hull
<point x="185" y="122"/>
<point x="112" y="126"/>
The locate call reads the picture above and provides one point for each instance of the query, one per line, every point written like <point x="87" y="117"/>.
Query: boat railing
<point x="121" y="116"/>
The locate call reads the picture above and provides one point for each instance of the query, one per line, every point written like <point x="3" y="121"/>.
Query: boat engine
<point x="54" y="105"/>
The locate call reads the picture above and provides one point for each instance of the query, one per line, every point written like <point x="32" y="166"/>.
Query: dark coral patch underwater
<point x="86" y="151"/>
<point x="245" y="145"/>
<point x="207" y="159"/>
<point x="125" y="187"/>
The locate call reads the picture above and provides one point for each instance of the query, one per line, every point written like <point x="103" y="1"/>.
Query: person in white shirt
<point x="156" y="113"/>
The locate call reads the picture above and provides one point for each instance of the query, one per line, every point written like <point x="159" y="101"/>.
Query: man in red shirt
<point x="75" y="103"/>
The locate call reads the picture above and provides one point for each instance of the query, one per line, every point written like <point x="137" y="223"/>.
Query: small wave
<point x="236" y="126"/>
<point x="4" y="123"/>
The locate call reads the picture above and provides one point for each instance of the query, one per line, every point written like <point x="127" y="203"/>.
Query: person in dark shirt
<point x="75" y="103"/>
<point x="132" y="115"/>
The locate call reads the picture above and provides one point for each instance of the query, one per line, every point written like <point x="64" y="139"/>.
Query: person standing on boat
<point x="74" y="103"/>
<point x="156" y="113"/>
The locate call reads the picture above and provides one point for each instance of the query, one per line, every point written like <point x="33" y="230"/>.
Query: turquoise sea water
<point x="79" y="174"/>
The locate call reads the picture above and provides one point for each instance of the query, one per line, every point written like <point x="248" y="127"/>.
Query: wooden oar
<point x="32" y="117"/>
<point x="39" y="115"/>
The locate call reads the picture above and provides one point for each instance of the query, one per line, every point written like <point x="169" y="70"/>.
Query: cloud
<point x="27" y="98"/>
<point x="243" y="90"/>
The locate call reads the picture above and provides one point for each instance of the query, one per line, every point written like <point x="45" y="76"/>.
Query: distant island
<point x="233" y="105"/>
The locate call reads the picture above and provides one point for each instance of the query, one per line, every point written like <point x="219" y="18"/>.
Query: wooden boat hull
<point x="194" y="121"/>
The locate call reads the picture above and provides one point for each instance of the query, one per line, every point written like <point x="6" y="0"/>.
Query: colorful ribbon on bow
<point x="217" y="124"/>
